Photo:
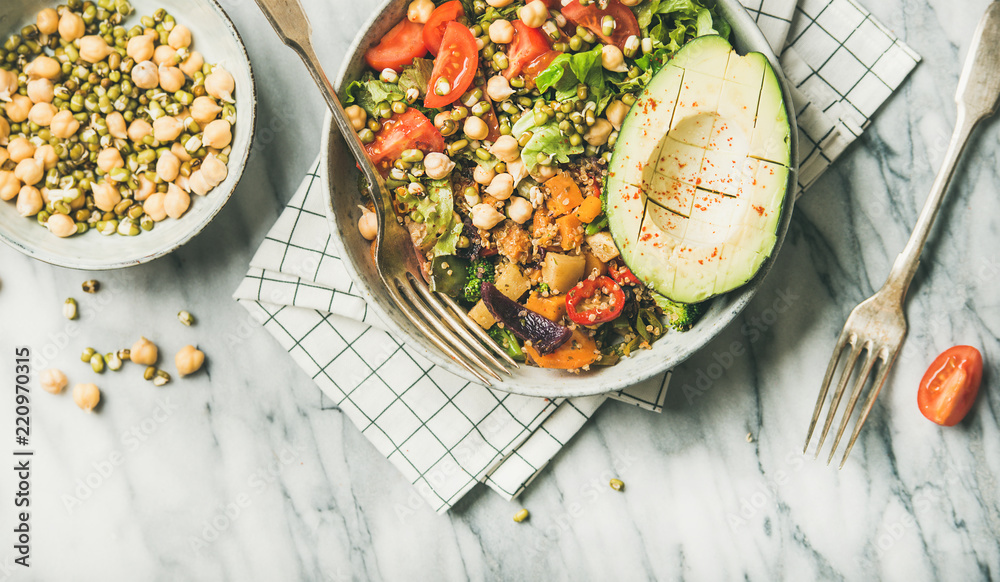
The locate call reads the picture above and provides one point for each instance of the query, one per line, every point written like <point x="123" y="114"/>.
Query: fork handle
<point x="977" y="96"/>
<point x="290" y="21"/>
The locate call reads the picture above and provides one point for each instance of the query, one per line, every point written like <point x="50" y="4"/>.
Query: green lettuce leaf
<point x="369" y="92"/>
<point x="417" y="76"/>
<point x="568" y="70"/>
<point x="436" y="207"/>
<point x="549" y="140"/>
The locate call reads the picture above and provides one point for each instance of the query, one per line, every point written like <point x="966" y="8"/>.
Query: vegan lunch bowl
<point x="601" y="183"/>
<point x="123" y="128"/>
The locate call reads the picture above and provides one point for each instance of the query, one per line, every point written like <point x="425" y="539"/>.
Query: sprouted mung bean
<point x="70" y="308"/>
<point x="91" y="286"/>
<point x="185" y="318"/>
<point x="109" y="127"/>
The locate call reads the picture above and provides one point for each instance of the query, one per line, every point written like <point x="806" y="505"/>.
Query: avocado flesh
<point x="700" y="171"/>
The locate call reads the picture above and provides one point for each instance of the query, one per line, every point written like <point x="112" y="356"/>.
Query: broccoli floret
<point x="483" y="270"/>
<point x="544" y="288"/>
<point x="680" y="316"/>
<point x="473" y="290"/>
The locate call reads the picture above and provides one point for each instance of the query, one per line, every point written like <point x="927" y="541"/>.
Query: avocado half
<point x="699" y="172"/>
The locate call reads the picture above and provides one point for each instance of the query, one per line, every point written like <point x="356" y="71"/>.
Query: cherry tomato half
<point x="408" y="130"/>
<point x="438" y="23"/>
<point x="595" y="301"/>
<point x="591" y="17"/>
<point x="456" y="63"/>
<point x="950" y="385"/>
<point x="528" y="44"/>
<point x="398" y="48"/>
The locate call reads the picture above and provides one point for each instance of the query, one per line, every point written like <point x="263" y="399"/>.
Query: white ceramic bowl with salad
<point x="665" y="245"/>
<point x="214" y="36"/>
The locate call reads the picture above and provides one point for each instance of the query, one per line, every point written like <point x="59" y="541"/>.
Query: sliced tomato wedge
<point x="490" y="117"/>
<point x="456" y="62"/>
<point x="405" y="131"/>
<point x="950" y="385"/>
<point x="539" y="64"/>
<point x="591" y="18"/>
<point x="528" y="44"/>
<point x="438" y="22"/>
<point x="594" y="301"/>
<point x="398" y="48"/>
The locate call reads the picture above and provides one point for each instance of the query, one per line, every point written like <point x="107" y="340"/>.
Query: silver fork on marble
<point x="877" y="327"/>
<point x="436" y="315"/>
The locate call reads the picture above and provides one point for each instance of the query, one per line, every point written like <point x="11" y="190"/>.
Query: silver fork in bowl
<point x="877" y="327"/>
<point x="436" y="315"/>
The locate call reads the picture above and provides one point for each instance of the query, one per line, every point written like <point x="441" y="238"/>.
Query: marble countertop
<point x="244" y="472"/>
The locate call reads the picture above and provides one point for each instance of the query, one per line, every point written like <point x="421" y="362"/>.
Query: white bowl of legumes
<point x="124" y="126"/>
<point x="601" y="184"/>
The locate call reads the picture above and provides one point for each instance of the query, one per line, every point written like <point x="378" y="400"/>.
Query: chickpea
<point x="61" y="225"/>
<point x="18" y="108"/>
<point x="71" y="26"/>
<point x="437" y="165"/>
<point x="144" y="352"/>
<point x="543" y="173"/>
<point x="29" y="201"/>
<point x="501" y="31"/>
<point x="140" y="48"/>
<point x="498" y="88"/>
<point x="94" y="49"/>
<point x="193" y="63"/>
<point x="43" y="67"/>
<point x="598" y="133"/>
<point x="139" y="129"/>
<point x="145" y="75"/>
<point x="167" y="167"/>
<point x="86" y="396"/>
<point x="178" y="150"/>
<point x="213" y="170"/>
<point x="109" y="159"/>
<point x="368" y="224"/>
<point x="166" y="129"/>
<point x="53" y="381"/>
<point x="180" y="37"/>
<point x="146" y="187"/>
<point x="165" y="55"/>
<point x="501" y="187"/>
<point x="475" y="128"/>
<point x="220" y="84"/>
<point x="4" y="131"/>
<point x="153" y="206"/>
<point x="47" y="157"/>
<point x="41" y="91"/>
<point x="42" y="114"/>
<point x="616" y="113"/>
<point x="218" y="134"/>
<point x="199" y="184"/>
<point x="357" y="115"/>
<point x="116" y="125"/>
<point x="8" y="83"/>
<point x="483" y="175"/>
<point x="519" y="210"/>
<point x="47" y="21"/>
<point x="171" y="79"/>
<point x="205" y="110"/>
<point x="4" y="156"/>
<point x="176" y="202"/>
<point x="29" y="171"/>
<point x="499" y="3"/>
<point x="106" y="196"/>
<point x="506" y="149"/>
<point x="612" y="59"/>
<point x="533" y="14"/>
<point x="419" y="11"/>
<point x="485" y="217"/>
<point x="9" y="185"/>
<point x="189" y="360"/>
<point x="64" y="125"/>
<point x="19" y="149"/>
<point x="630" y="2"/>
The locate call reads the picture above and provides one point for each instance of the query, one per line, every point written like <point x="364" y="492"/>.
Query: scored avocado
<point x="700" y="171"/>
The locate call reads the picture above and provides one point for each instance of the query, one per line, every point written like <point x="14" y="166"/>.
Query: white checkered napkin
<point x="841" y="63"/>
<point x="444" y="433"/>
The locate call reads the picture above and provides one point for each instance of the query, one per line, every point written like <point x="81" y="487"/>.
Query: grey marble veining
<point x="245" y="473"/>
